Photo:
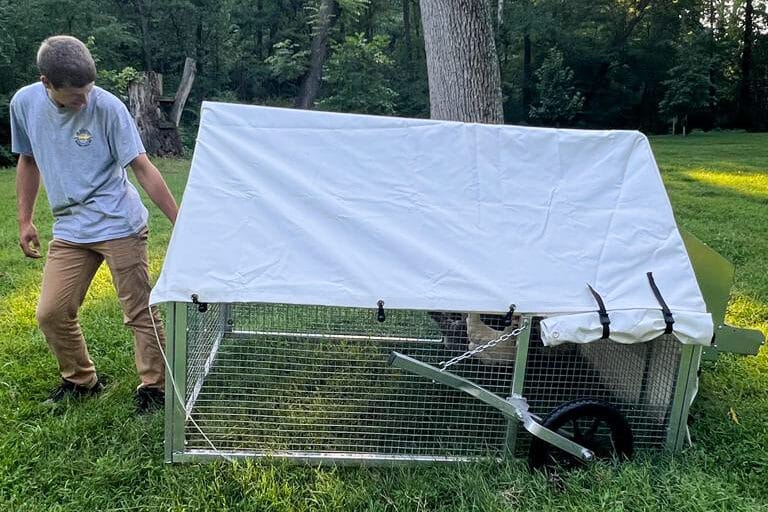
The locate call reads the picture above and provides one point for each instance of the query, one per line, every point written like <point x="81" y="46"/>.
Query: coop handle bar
<point x="515" y="407"/>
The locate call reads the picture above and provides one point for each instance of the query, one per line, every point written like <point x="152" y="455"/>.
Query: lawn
<point x="98" y="455"/>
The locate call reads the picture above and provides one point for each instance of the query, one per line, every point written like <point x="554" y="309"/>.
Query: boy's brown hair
<point x="66" y="62"/>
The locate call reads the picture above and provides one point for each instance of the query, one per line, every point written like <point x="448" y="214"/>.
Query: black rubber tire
<point x="607" y="434"/>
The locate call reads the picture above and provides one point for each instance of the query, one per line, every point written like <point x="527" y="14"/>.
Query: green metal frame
<point x="175" y="414"/>
<point x="319" y="459"/>
<point x="686" y="387"/>
<point x="518" y="380"/>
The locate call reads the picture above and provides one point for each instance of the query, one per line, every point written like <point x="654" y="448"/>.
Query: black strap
<point x="604" y="320"/>
<point x="668" y="319"/>
<point x="380" y="315"/>
<point x="507" y="322"/>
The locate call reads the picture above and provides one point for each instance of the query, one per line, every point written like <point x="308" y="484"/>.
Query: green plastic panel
<point x="715" y="276"/>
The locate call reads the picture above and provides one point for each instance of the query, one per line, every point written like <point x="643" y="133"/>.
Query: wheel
<point x="591" y="423"/>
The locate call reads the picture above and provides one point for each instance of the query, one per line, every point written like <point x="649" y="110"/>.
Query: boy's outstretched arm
<point x="154" y="185"/>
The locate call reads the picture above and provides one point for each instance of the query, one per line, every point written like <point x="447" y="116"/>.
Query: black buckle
<point x="668" y="318"/>
<point x="605" y="320"/>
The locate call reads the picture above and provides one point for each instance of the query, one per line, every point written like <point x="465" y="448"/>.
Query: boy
<point x="79" y="138"/>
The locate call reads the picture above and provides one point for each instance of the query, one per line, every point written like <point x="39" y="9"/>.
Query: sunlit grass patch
<point x="748" y="183"/>
<point x="745" y="310"/>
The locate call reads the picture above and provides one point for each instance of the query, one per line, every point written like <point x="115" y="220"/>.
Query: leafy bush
<point x="559" y="101"/>
<point x="114" y="80"/>
<point x="287" y="62"/>
<point x="357" y="77"/>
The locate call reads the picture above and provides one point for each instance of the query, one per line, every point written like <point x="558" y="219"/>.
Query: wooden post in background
<point x="182" y="93"/>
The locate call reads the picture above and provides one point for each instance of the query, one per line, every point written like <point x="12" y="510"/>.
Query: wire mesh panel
<point x="204" y="334"/>
<point x="307" y="380"/>
<point x="313" y="382"/>
<point x="638" y="379"/>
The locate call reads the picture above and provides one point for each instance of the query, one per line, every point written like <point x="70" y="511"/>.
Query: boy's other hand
<point x="28" y="241"/>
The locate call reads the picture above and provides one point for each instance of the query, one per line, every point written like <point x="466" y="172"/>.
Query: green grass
<point x="97" y="455"/>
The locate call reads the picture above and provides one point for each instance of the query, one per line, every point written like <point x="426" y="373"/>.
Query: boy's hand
<point x="28" y="240"/>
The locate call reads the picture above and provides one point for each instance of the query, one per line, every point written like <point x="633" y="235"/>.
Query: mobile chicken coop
<point x="368" y="289"/>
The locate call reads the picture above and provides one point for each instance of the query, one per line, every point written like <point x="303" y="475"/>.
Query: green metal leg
<point x="176" y="351"/>
<point x="518" y="381"/>
<point x="685" y="391"/>
<point x="170" y="398"/>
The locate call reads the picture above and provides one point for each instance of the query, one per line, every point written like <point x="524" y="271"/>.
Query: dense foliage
<point x="587" y="63"/>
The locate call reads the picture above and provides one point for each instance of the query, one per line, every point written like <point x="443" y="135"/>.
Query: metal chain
<point x="444" y="365"/>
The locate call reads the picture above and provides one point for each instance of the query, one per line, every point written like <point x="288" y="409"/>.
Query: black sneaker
<point x="69" y="389"/>
<point x="148" y="400"/>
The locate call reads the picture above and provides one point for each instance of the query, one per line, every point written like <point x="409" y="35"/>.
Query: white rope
<point x="188" y="414"/>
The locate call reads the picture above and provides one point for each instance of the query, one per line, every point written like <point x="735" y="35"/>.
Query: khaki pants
<point x="68" y="273"/>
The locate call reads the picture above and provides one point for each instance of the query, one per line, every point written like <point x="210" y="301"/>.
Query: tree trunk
<point x="182" y="93"/>
<point x="527" y="85"/>
<point x="712" y="72"/>
<point x="260" y="33"/>
<point x="462" y="66"/>
<point x="160" y="137"/>
<point x="370" y="12"/>
<point x="310" y="87"/>
<point x="407" y="33"/>
<point x="141" y="10"/>
<point x="745" y="87"/>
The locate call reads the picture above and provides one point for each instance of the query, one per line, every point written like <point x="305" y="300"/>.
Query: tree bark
<point x="310" y="87"/>
<point x="407" y="32"/>
<point x="527" y="85"/>
<point x="462" y="65"/>
<point x="745" y="87"/>
<point x="160" y="137"/>
<point x="182" y="93"/>
<point x="141" y="10"/>
<point x="263" y="52"/>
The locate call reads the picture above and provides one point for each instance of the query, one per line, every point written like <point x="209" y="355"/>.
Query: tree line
<point x="652" y="65"/>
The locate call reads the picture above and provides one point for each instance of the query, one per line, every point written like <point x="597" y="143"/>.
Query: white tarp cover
<point x="300" y="207"/>
<point x="627" y="326"/>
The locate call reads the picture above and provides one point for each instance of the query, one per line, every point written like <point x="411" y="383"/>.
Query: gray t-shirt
<point x="82" y="158"/>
